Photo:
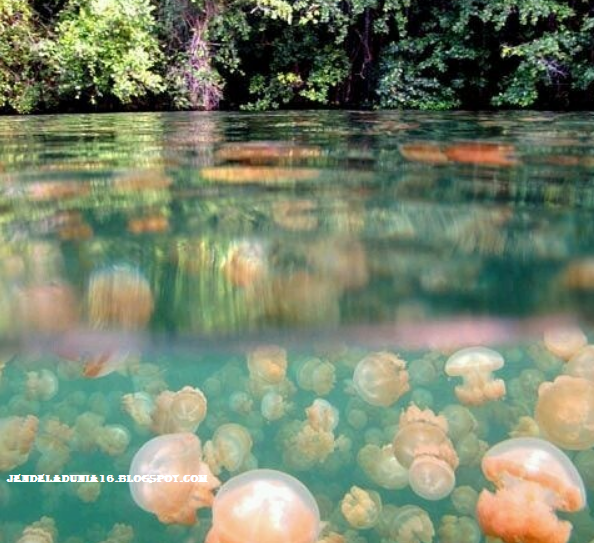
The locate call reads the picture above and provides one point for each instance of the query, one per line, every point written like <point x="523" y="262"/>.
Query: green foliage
<point x="20" y="84"/>
<point x="106" y="49"/>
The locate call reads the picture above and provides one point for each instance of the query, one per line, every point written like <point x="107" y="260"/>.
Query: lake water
<point x="258" y="259"/>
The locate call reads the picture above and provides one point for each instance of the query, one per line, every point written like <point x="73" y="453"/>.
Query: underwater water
<point x="285" y="286"/>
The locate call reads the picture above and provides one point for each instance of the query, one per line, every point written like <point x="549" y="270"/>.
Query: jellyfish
<point x="407" y="524"/>
<point x="120" y="533"/>
<point x="322" y="415"/>
<point x="422" y="445"/>
<point x="17" y="435"/>
<point x="264" y="506"/>
<point x="53" y="442"/>
<point x="381" y="379"/>
<point x="382" y="467"/>
<point x="273" y="406"/>
<point x="460" y="421"/>
<point x="119" y="297"/>
<point x="533" y="479"/>
<point x="88" y="491"/>
<point x="42" y="531"/>
<point x="180" y="411"/>
<point x="581" y="364"/>
<point x="525" y="427"/>
<point x="475" y="365"/>
<point x="565" y="412"/>
<point x="41" y="385"/>
<point x="316" y="375"/>
<point x="305" y="446"/>
<point x="565" y="342"/>
<point x="140" y="406"/>
<point x="85" y="431"/>
<point x="464" y="500"/>
<point x="361" y="508"/>
<point x="241" y="402"/>
<point x="172" y="501"/>
<point x="267" y="366"/>
<point x="454" y="529"/>
<point x="113" y="439"/>
<point x="229" y="448"/>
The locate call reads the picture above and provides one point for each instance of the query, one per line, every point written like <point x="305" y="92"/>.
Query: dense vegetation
<point x="60" y="55"/>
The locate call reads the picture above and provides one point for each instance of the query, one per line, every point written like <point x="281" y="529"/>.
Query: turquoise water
<point x="149" y="252"/>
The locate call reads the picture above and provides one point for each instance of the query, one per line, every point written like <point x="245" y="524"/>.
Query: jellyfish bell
<point x="475" y="365"/>
<point x="565" y="341"/>
<point x="533" y="479"/>
<point x="172" y="501"/>
<point x="381" y="379"/>
<point x="431" y="475"/>
<point x="565" y="412"/>
<point x="264" y="506"/>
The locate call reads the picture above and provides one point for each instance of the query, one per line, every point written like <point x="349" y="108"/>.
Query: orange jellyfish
<point x="581" y="364"/>
<point x="565" y="412"/>
<point x="381" y="379"/>
<point x="264" y="506"/>
<point x="564" y="342"/>
<point x="230" y="448"/>
<point x="475" y="365"/>
<point x="361" y="508"/>
<point x="422" y="445"/>
<point x="267" y="366"/>
<point x="533" y="479"/>
<point x="180" y="411"/>
<point x="186" y="482"/>
<point x="17" y="435"/>
<point x="42" y="531"/>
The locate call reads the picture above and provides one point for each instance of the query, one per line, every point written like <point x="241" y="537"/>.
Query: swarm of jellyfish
<point x="330" y="444"/>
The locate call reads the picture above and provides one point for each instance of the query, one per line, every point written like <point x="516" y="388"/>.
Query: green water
<point x="329" y="234"/>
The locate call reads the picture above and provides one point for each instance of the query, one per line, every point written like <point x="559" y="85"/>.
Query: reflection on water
<point x="299" y="291"/>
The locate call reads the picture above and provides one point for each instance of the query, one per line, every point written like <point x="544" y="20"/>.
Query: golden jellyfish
<point x="316" y="375"/>
<point x="17" y="435"/>
<point x="525" y="427"/>
<point x="382" y="467"/>
<point x="407" y="524"/>
<point x="113" y="439"/>
<point x="432" y="472"/>
<point x="565" y="412"/>
<point x="41" y="385"/>
<point x="454" y="529"/>
<point x="241" y="402"/>
<point x="229" y="448"/>
<point x="120" y="533"/>
<point x="180" y="411"/>
<point x="119" y="297"/>
<point x="533" y="479"/>
<point x="53" y="442"/>
<point x="381" y="379"/>
<point x="88" y="491"/>
<point x="464" y="500"/>
<point x="140" y="406"/>
<point x="42" y="531"/>
<point x="565" y="342"/>
<point x="361" y="508"/>
<point x="322" y="415"/>
<point x="267" y="366"/>
<point x="305" y="446"/>
<point x="581" y="364"/>
<point x="273" y="406"/>
<point x="476" y="365"/>
<point x="264" y="506"/>
<point x="186" y="481"/>
<point x="86" y="427"/>
<point x="460" y="421"/>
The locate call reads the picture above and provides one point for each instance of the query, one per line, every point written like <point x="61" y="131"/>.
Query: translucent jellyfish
<point x="305" y="446"/>
<point x="361" y="508"/>
<point x="119" y="297"/>
<point x="120" y="533"/>
<point x="464" y="500"/>
<point x="173" y="502"/>
<point x="42" y="531"/>
<point x="382" y="467"/>
<point x="525" y="427"/>
<point x="322" y="415"/>
<point x="140" y="406"/>
<point x="85" y="431"/>
<point x="41" y="385"/>
<point x="533" y="478"/>
<point x="273" y="406"/>
<point x="565" y="412"/>
<point x="53" y="443"/>
<point x="17" y="435"/>
<point x="460" y="421"/>
<point x="475" y="365"/>
<point x="408" y="524"/>
<point x="454" y="529"/>
<point x="113" y="439"/>
<point x="381" y="379"/>
<point x="267" y="366"/>
<point x="581" y="364"/>
<point x="565" y="342"/>
<point x="470" y="450"/>
<point x="241" y="402"/>
<point x="316" y="375"/>
<point x="229" y="448"/>
<point x="264" y="506"/>
<point x="88" y="491"/>
<point x="180" y="411"/>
